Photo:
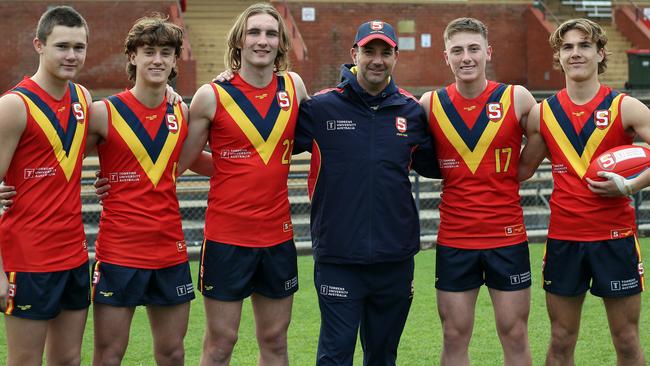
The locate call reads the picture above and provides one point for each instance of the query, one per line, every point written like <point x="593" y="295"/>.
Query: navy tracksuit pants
<point x="372" y="300"/>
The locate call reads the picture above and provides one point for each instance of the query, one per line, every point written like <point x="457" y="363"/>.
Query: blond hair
<point x="237" y="33"/>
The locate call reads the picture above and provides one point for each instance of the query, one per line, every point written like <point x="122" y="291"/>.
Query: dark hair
<point x="152" y="30"/>
<point x="59" y="15"/>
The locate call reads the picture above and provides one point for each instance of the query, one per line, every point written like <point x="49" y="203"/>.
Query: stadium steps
<point x="207" y="23"/>
<point x="617" y="68"/>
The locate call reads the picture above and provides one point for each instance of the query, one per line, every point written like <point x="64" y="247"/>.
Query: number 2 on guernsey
<point x="288" y="148"/>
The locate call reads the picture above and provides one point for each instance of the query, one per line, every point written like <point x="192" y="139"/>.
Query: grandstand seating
<point x="192" y="192"/>
<point x="207" y="24"/>
<point x="617" y="67"/>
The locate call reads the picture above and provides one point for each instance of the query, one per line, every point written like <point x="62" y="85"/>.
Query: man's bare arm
<point x="97" y="126"/>
<point x="13" y="120"/>
<point x="535" y="149"/>
<point x="301" y="90"/>
<point x="202" y="110"/>
<point x="524" y="103"/>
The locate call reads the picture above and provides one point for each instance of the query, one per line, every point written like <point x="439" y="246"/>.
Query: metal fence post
<point x="417" y="192"/>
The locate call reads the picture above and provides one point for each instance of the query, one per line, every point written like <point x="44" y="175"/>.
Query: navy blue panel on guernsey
<point x="153" y="147"/>
<point x="263" y="125"/>
<point x="472" y="136"/>
<point x="578" y="141"/>
<point x="65" y="136"/>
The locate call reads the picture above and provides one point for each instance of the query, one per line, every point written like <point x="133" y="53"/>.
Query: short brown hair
<point x="59" y="15"/>
<point x="590" y="28"/>
<point x="235" y="38"/>
<point x="469" y="25"/>
<point x="152" y="30"/>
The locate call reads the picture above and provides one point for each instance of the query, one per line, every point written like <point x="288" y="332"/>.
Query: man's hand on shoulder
<point x="172" y="96"/>
<point x="225" y="75"/>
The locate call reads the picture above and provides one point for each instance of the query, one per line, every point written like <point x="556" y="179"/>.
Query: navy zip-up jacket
<point x="363" y="146"/>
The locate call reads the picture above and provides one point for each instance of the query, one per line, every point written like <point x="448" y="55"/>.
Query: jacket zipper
<point x="373" y="121"/>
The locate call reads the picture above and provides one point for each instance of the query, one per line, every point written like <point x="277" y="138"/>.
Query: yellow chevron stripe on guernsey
<point x="154" y="170"/>
<point x="264" y="148"/>
<point x="66" y="162"/>
<point x="580" y="163"/>
<point x="472" y="158"/>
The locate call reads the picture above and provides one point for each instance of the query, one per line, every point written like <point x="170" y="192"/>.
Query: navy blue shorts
<point x="504" y="268"/>
<point x="368" y="300"/>
<point x="129" y="287"/>
<point x="610" y="268"/>
<point x="42" y="295"/>
<point x="231" y="272"/>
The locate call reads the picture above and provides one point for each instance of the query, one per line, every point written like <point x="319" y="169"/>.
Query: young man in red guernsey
<point x="248" y="249"/>
<point x="477" y="127"/>
<point x="44" y="281"/>
<point x="591" y="243"/>
<point x="141" y="257"/>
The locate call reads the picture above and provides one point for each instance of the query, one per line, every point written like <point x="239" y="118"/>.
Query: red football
<point x="627" y="161"/>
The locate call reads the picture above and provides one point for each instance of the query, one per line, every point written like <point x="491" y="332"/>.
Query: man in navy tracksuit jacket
<point x="364" y="136"/>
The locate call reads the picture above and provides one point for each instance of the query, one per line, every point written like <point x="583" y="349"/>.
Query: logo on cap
<point x="375" y="29"/>
<point x="376" y="25"/>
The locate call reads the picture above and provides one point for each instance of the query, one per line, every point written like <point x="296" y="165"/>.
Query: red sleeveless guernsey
<point x="575" y="135"/>
<point x="140" y="224"/>
<point x="43" y="231"/>
<point x="251" y="138"/>
<point x="478" y="143"/>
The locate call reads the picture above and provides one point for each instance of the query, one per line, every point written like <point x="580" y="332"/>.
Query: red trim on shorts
<point x="12" y="293"/>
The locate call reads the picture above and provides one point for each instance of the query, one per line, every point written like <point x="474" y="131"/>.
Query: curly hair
<point x="152" y="30"/>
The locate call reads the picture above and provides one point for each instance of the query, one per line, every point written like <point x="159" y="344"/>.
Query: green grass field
<point x="422" y="339"/>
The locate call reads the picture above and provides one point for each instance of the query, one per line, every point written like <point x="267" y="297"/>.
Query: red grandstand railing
<point x="640" y="16"/>
<point x="632" y="26"/>
<point x="546" y="11"/>
<point x="638" y="12"/>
